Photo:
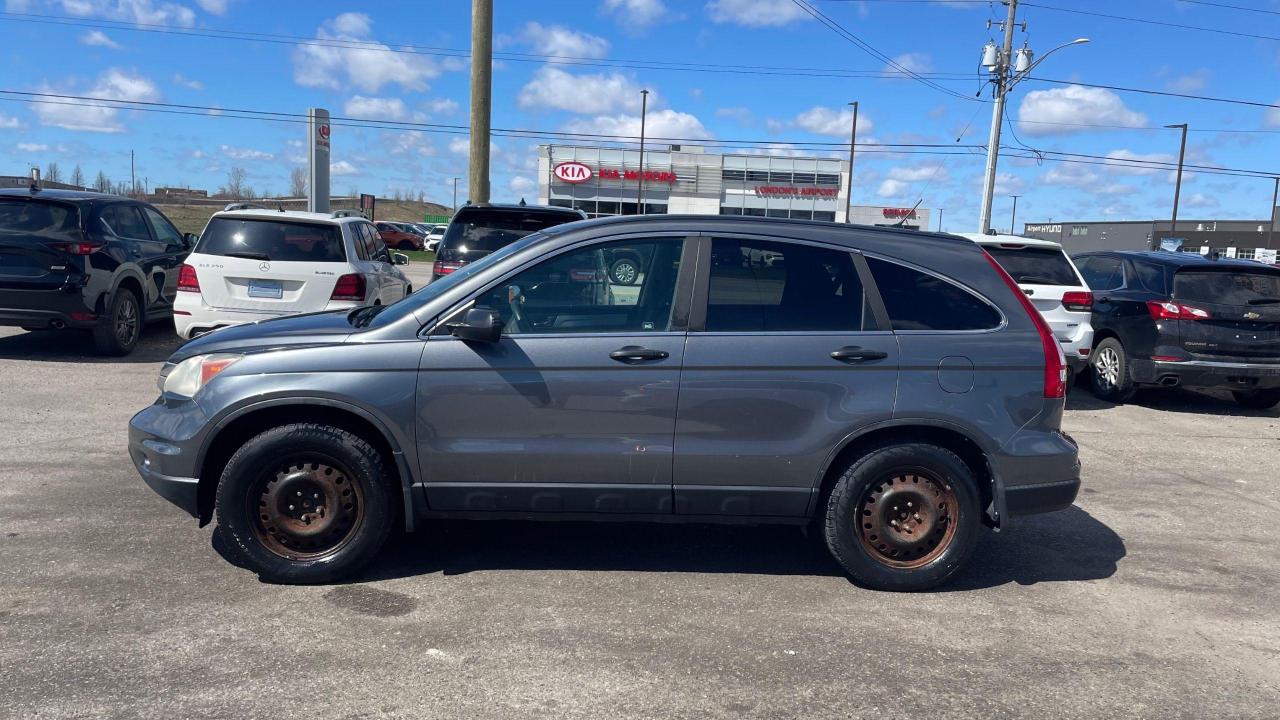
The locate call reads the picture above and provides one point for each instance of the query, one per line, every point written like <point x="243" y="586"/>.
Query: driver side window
<point x="618" y="287"/>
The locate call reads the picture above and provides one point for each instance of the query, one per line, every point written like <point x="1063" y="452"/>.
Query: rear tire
<point x="1109" y="376"/>
<point x="406" y="245"/>
<point x="1257" y="399"/>
<point x="118" y="331"/>
<point x="903" y="517"/>
<point x="625" y="271"/>
<point x="305" y="503"/>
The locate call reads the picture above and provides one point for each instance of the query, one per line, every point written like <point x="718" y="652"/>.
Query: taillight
<point x="1076" y="301"/>
<point x="348" y="287"/>
<point x="77" y="248"/>
<point x="1167" y="310"/>
<point x="444" y="268"/>
<point x="1055" y="363"/>
<point x="187" y="280"/>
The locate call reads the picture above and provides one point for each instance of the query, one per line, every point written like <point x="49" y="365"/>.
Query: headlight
<point x="187" y="377"/>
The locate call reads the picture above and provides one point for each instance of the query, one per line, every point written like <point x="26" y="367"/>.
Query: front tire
<point x="903" y="517"/>
<point x="117" y="333"/>
<point x="305" y="503"/>
<point x="1257" y="399"/>
<point x="1110" y="372"/>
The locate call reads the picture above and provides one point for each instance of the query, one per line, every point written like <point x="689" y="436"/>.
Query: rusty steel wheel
<point x="907" y="519"/>
<point x="307" y="508"/>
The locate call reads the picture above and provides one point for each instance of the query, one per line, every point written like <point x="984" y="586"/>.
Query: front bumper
<point x="163" y="444"/>
<point x="1208" y="374"/>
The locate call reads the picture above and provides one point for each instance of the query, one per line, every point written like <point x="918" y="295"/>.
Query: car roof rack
<point x="243" y="206"/>
<point x="349" y="213"/>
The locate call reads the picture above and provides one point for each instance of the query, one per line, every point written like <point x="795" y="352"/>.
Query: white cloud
<point x="636" y="14"/>
<point x="553" y="88"/>
<point x="1070" y="175"/>
<point x="188" y="82"/>
<point x="32" y="147"/>
<point x="213" y="7"/>
<point x="90" y="116"/>
<point x="892" y="188"/>
<point x="141" y="12"/>
<point x="1272" y="118"/>
<point x="1008" y="184"/>
<point x="914" y="62"/>
<point x="372" y="108"/>
<point x="236" y="153"/>
<point x="1074" y="106"/>
<point x="443" y="106"/>
<point x="756" y="13"/>
<point x="367" y="67"/>
<point x="462" y="146"/>
<point x="1122" y="162"/>
<point x="1200" y="200"/>
<point x="521" y="184"/>
<point x="9" y="123"/>
<point x="561" y="41"/>
<point x="829" y="121"/>
<point x="659" y="124"/>
<point x="1191" y="82"/>
<point x="741" y="114"/>
<point x="98" y="38"/>
<point x="921" y="173"/>
<point x="342" y="167"/>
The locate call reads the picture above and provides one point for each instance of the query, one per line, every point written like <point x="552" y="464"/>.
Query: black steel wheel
<point x="118" y="330"/>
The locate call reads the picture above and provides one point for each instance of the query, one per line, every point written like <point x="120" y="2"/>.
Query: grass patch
<point x="419" y="256"/>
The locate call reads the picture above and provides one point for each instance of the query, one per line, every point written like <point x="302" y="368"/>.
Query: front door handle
<point x="854" y="354"/>
<point x="636" y="354"/>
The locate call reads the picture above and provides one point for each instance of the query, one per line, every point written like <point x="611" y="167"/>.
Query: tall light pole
<point x="1177" y="186"/>
<point x="481" y="98"/>
<point x="940" y="219"/>
<point x="455" y="194"/>
<point x="1275" y="195"/>
<point x="1013" y="218"/>
<point x="644" y="109"/>
<point x="853" y="141"/>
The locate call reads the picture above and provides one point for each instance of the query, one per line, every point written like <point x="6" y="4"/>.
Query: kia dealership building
<point x="685" y="179"/>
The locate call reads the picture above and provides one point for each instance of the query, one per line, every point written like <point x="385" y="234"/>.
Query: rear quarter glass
<point x="272" y="240"/>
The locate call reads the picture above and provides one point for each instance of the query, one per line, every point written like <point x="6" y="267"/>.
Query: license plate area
<point x="270" y="289"/>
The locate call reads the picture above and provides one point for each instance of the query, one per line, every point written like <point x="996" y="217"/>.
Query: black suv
<point x="1166" y="319"/>
<point x="73" y="259"/>
<point x="477" y="230"/>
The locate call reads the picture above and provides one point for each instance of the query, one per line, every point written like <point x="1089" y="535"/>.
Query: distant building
<point x="179" y="192"/>
<point x="10" y="181"/>
<point x="1233" y="238"/>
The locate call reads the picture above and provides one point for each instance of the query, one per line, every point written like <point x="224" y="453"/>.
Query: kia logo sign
<point x="572" y="172"/>
<point x="324" y="131"/>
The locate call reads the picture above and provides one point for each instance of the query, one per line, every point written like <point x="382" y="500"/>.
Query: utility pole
<point x="1275" y="195"/>
<point x="133" y="179"/>
<point x="1177" y="187"/>
<point x="481" y="97"/>
<point x="644" y="109"/>
<point x="939" y="219"/>
<point x="455" y="195"/>
<point x="853" y="140"/>
<point x="997" y="119"/>
<point x="1013" y="219"/>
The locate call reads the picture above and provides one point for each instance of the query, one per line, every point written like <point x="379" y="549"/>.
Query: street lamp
<point x="1013" y="218"/>
<point x="1177" y="186"/>
<point x="644" y="107"/>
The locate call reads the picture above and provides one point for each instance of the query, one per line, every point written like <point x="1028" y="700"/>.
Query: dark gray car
<point x="894" y="388"/>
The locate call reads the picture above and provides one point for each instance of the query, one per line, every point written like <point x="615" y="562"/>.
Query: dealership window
<point x="606" y="207"/>
<point x="824" y="215"/>
<point x="801" y="214"/>
<point x="561" y="202"/>
<point x="783" y="178"/>
<point x="733" y="175"/>
<point x="828" y="179"/>
<point x="753" y="212"/>
<point x="760" y="286"/>
<point x="730" y="211"/>
<point x="757" y="176"/>
<point x="1079" y="230"/>
<point x="781" y="213"/>
<point x="806" y="178"/>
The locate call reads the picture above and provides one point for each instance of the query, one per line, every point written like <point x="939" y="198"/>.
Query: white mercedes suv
<point x="252" y="263"/>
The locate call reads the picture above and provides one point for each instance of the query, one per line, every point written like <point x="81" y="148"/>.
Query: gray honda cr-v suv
<point x="894" y="388"/>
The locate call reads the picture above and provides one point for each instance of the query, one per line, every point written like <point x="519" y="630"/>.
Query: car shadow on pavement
<point x="157" y="343"/>
<point x="1181" y="400"/>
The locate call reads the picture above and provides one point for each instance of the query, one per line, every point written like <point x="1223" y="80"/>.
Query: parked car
<point x="86" y="260"/>
<point x="477" y="230"/>
<point x="899" y="417"/>
<point x="1162" y="319"/>
<point x="399" y="238"/>
<point x="254" y="264"/>
<point x="1052" y="282"/>
<point x="435" y="236"/>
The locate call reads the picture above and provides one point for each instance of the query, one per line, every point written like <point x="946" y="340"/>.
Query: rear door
<point x="377" y="265"/>
<point x="170" y="249"/>
<point x="785" y="358"/>
<point x="1044" y="274"/>
<point x="1242" y="313"/>
<point x="274" y="266"/>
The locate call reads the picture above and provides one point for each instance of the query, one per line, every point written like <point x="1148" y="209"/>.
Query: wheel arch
<point x="935" y="432"/>
<point x="234" y="430"/>
<point x="131" y="281"/>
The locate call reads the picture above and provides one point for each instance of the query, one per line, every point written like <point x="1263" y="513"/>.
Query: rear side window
<point x="484" y="231"/>
<point x="1034" y="265"/>
<point x="29" y="216"/>
<point x="1227" y="288"/>
<point x="124" y="221"/>
<point x="1147" y="276"/>
<point x="920" y="301"/>
<point x="272" y="240"/>
<point x="777" y="287"/>
<point x="1103" y="273"/>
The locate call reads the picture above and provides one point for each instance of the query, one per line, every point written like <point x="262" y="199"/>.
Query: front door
<point x="573" y="410"/>
<point x="788" y="361"/>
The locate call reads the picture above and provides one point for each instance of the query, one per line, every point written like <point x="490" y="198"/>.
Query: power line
<point x="1230" y="7"/>
<point x="1148" y="21"/>
<point x="1164" y="93"/>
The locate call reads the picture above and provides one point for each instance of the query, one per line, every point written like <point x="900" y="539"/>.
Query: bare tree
<point x="52" y="173"/>
<point x="77" y="176"/>
<point x="235" y="187"/>
<point x="102" y="183"/>
<point x="298" y="182"/>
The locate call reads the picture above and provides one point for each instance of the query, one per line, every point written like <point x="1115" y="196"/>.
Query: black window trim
<point x="680" y="306"/>
<point x="702" y="287"/>
<point x="1004" y="319"/>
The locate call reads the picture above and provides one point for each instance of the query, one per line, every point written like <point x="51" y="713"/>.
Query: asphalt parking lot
<point x="1156" y="595"/>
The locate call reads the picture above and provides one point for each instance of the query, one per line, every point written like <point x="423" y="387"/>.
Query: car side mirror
<point x="189" y="240"/>
<point x="399" y="258"/>
<point x="478" y="325"/>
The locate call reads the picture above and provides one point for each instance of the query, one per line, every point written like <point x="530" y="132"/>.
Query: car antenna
<point x="911" y="214"/>
<point x="523" y="203"/>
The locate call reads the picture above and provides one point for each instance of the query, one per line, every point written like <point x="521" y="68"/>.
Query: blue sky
<point x="96" y="48"/>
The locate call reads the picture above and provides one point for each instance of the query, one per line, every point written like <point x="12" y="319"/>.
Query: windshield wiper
<point x="1035" y="280"/>
<point x="248" y="255"/>
<point x="1264" y="301"/>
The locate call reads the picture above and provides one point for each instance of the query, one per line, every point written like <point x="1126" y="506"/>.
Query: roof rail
<point x="349" y="213"/>
<point x="243" y="206"/>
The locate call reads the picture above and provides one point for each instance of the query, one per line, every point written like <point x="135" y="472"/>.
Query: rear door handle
<point x="853" y="354"/>
<point x="637" y="354"/>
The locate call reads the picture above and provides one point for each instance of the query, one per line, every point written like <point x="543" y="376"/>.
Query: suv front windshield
<point x="274" y="240"/>
<point x="386" y="314"/>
